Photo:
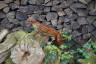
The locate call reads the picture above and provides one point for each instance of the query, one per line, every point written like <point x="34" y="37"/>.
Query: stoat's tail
<point x="59" y="39"/>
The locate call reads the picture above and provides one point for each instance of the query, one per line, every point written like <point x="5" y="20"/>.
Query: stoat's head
<point x="31" y="20"/>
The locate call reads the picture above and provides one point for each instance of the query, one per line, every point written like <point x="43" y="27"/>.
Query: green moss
<point x="8" y="61"/>
<point x="91" y="60"/>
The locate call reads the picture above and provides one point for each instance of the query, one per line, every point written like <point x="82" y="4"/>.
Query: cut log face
<point x="25" y="53"/>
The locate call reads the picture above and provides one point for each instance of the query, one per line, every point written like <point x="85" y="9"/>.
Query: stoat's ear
<point x="29" y="20"/>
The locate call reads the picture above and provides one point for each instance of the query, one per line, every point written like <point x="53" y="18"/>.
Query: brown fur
<point x="46" y="29"/>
